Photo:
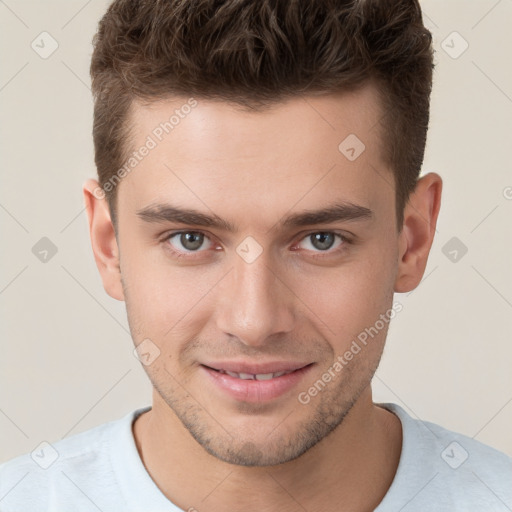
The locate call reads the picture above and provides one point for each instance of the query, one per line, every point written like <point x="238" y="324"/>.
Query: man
<point x="258" y="205"/>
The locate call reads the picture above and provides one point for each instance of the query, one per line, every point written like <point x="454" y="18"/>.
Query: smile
<point x="256" y="386"/>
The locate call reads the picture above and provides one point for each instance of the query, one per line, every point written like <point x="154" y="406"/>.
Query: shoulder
<point x="31" y="479"/>
<point x="454" y="449"/>
<point x="448" y="470"/>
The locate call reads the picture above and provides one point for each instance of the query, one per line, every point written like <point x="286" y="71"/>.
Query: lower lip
<point x="254" y="391"/>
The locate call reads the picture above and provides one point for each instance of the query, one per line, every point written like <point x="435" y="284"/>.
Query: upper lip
<point x="256" y="368"/>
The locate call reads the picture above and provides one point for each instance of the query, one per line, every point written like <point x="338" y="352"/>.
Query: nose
<point x="255" y="302"/>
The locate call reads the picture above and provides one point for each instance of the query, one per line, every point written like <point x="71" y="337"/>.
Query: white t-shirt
<point x="100" y="469"/>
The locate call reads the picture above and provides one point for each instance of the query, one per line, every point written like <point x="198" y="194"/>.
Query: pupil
<point x="187" y="240"/>
<point x="322" y="240"/>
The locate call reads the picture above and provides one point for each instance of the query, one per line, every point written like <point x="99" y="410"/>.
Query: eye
<point x="187" y="241"/>
<point x="183" y="243"/>
<point x="323" y="241"/>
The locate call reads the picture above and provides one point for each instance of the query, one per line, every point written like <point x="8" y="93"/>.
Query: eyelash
<point x="320" y="254"/>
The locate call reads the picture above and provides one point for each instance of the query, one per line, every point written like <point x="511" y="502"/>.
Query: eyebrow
<point x="341" y="211"/>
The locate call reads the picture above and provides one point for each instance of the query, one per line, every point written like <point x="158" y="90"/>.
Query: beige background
<point x="66" y="359"/>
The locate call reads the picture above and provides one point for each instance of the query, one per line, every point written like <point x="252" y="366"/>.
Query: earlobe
<point x="418" y="230"/>
<point x="103" y="239"/>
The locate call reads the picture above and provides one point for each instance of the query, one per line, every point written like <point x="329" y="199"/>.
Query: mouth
<point x="255" y="383"/>
<point x="254" y="376"/>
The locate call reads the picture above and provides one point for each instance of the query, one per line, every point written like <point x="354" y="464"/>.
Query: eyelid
<point x="345" y="239"/>
<point x="168" y="236"/>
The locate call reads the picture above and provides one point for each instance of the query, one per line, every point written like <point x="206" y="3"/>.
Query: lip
<point x="256" y="391"/>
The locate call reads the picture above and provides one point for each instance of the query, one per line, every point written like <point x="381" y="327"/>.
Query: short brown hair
<point x="258" y="52"/>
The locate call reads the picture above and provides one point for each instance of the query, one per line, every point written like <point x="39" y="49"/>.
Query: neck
<point x="354" y="466"/>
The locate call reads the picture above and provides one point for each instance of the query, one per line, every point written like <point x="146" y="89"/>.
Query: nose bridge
<point x="255" y="303"/>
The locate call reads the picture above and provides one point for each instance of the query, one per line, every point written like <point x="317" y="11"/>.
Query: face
<point x="227" y="300"/>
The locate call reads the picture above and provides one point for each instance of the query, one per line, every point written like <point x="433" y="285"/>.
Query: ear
<point x="415" y="240"/>
<point x="103" y="238"/>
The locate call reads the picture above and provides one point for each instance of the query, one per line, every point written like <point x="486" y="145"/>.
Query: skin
<point x="203" y="448"/>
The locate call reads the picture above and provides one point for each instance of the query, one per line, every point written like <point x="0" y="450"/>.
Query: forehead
<point x="303" y="149"/>
<point x="304" y="119"/>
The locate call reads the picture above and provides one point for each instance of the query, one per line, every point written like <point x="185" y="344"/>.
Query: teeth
<point x="264" y="376"/>
<point x="259" y="376"/>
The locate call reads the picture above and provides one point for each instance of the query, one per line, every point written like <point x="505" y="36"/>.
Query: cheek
<point x="167" y="301"/>
<point x="345" y="300"/>
<point x="164" y="300"/>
